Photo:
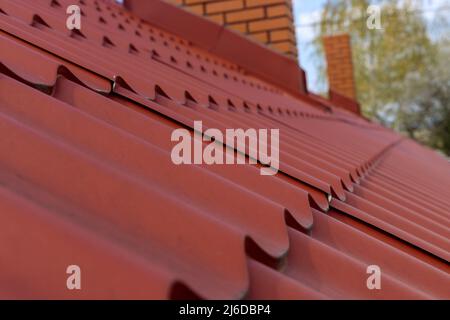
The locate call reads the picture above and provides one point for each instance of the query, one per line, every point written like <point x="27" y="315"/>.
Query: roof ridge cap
<point x="254" y="57"/>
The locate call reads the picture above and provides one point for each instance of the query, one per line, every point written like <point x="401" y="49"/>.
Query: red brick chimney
<point x="268" y="21"/>
<point x="342" y="92"/>
<point x="338" y="54"/>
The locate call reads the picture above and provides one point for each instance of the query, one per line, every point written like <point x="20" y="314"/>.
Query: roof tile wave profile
<point x="86" y="176"/>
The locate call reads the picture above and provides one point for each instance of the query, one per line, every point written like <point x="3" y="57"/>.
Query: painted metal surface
<point x="86" y="176"/>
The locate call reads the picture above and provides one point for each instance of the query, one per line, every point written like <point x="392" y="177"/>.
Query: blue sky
<point x="305" y="12"/>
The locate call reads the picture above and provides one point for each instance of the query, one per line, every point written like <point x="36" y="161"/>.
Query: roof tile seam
<point x="88" y="22"/>
<point x="115" y="86"/>
<point x="371" y="165"/>
<point x="252" y="248"/>
<point x="381" y="153"/>
<point x="333" y="191"/>
<point x="312" y="115"/>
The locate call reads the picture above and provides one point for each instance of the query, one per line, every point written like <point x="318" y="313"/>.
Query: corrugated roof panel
<point x="86" y="175"/>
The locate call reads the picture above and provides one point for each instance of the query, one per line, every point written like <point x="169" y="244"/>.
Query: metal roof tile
<point x="86" y="175"/>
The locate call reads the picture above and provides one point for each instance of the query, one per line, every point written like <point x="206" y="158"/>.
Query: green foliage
<point x="401" y="75"/>
<point x="425" y="110"/>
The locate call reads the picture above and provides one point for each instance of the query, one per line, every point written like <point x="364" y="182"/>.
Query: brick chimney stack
<point x="268" y="21"/>
<point x="338" y="54"/>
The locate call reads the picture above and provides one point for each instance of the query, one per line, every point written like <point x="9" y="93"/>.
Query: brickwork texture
<point x="268" y="21"/>
<point x="339" y="65"/>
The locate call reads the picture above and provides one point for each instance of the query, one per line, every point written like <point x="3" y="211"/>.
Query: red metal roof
<point x="86" y="176"/>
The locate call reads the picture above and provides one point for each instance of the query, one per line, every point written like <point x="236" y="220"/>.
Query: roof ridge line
<point x="266" y="63"/>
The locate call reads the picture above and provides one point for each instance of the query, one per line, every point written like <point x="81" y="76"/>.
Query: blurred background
<point x="398" y="71"/>
<point x="401" y="71"/>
